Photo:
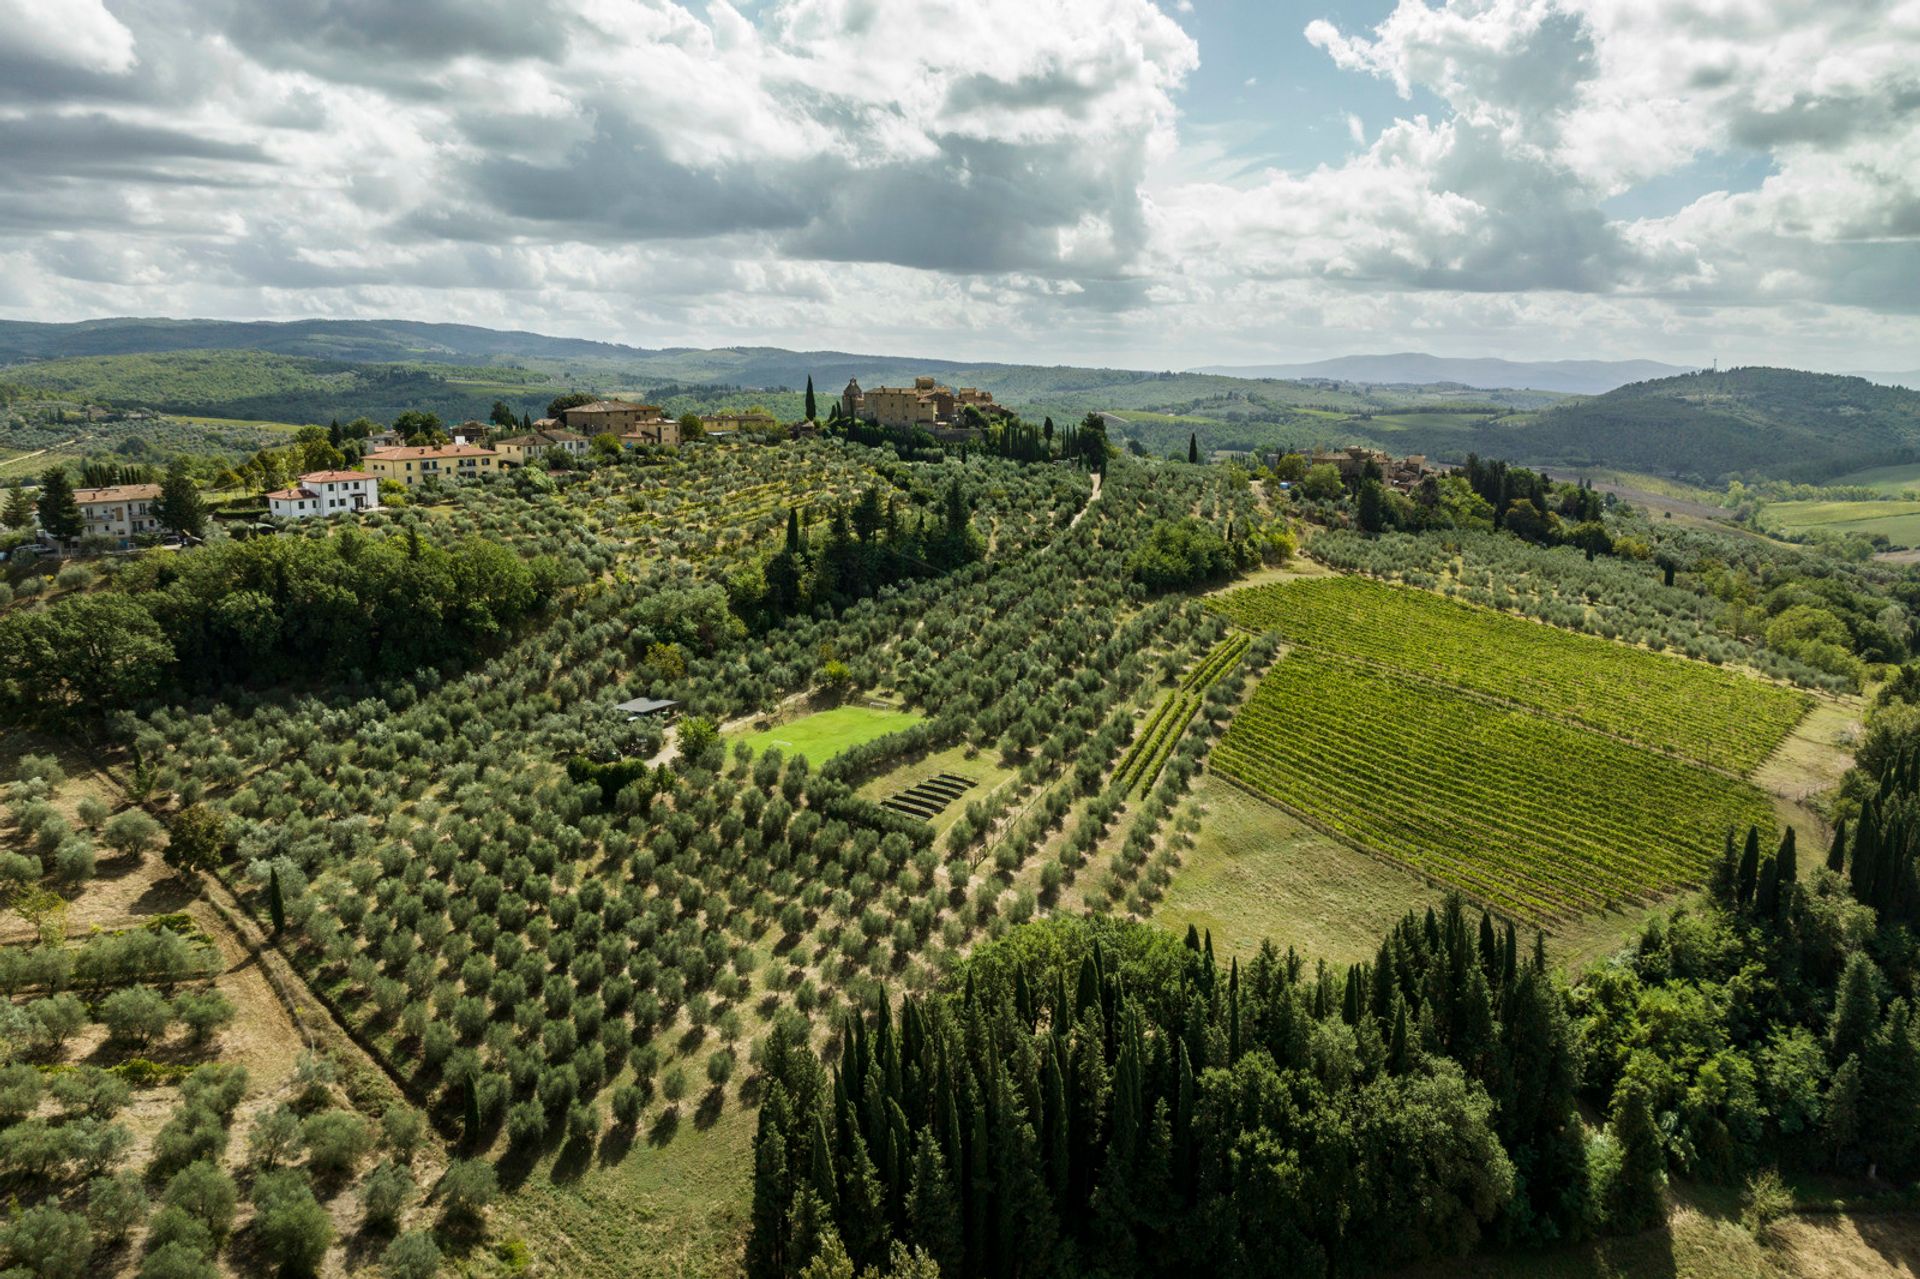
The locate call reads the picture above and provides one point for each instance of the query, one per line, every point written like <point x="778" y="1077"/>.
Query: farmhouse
<point x="611" y="417"/>
<point x="118" y="512"/>
<point x="734" y="423"/>
<point x="519" y="450"/>
<point x="665" y="432"/>
<point x="1399" y="473"/>
<point x="416" y="464"/>
<point x="326" y="493"/>
<point x="925" y="403"/>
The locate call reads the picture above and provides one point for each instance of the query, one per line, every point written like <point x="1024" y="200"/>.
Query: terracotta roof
<point x="289" y="495"/>
<point x="117" y="493"/>
<point x="437" y="450"/>
<point x="324" y="477"/>
<point x="541" y="437"/>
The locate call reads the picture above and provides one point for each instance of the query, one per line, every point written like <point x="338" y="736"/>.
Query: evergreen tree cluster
<point x="865" y="545"/>
<point x="1878" y="856"/>
<point x="1771" y="1024"/>
<point x="1095" y="1097"/>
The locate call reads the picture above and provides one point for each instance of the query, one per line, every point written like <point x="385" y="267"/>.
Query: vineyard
<point x="1719" y="718"/>
<point x="1529" y="815"/>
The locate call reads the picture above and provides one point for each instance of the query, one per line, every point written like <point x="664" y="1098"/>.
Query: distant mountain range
<point x="1411" y="368"/>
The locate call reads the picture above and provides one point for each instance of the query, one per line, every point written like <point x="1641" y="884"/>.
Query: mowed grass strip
<point x="1519" y="811"/>
<point x="1724" y="719"/>
<point x="824" y="734"/>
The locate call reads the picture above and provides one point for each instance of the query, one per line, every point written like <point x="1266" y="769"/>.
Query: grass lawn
<point x="1891" y="480"/>
<point x="824" y="734"/>
<point x="1256" y="873"/>
<point x="1898" y="520"/>
<point x="677" y="1209"/>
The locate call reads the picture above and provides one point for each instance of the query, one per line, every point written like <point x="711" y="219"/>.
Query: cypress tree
<point x="1856" y="1010"/>
<point x="276" y="907"/>
<point x="812" y="409"/>
<point x="60" y="517"/>
<point x="767" y="1242"/>
<point x="820" y="1173"/>
<point x="1634" y="1200"/>
<point x="1399" y="1057"/>
<point x="19" y="509"/>
<point x="933" y="1210"/>
<point x="1841" y="1120"/>
<point x="1892" y="1079"/>
<point x="1749" y="873"/>
<point x="1766" y="894"/>
<point x="179" y="506"/>
<point x="473" y="1114"/>
<point x="793" y="530"/>
<point x="1233" y="1012"/>
<point x="1193" y="447"/>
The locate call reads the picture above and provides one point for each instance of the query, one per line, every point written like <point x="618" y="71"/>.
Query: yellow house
<point x="416" y="464"/>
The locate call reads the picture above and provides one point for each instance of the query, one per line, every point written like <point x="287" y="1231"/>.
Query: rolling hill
<point x="1573" y="377"/>
<point x="1754" y="422"/>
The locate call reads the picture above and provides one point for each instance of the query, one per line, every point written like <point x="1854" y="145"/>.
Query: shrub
<point x="55" y="1020"/>
<point x="50" y="1243"/>
<point x="336" y="1142"/>
<point x="131" y="833"/>
<point x="116" y="1206"/>
<point x="19" y="1091"/>
<point x="274" y="1136"/>
<point x="413" y="1255"/>
<point x="467" y="1188"/>
<point x="177" y="1259"/>
<point x="205" y="1193"/>
<point x="384" y="1195"/>
<point x="402" y="1128"/>
<point x="194" y="1133"/>
<point x="205" y="1012"/>
<point x="289" y="1222"/>
<point x="40" y="768"/>
<point x="73" y="860"/>
<point x="137" y="1015"/>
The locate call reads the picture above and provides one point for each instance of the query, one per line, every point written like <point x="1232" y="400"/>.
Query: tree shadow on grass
<point x="710" y="1107"/>
<point x="574" y="1158"/>
<point x="616" y="1145"/>
<point x="664" y="1127"/>
<point x="516" y="1165"/>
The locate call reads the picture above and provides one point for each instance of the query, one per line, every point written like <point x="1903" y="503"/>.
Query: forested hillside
<point x="1755" y="422"/>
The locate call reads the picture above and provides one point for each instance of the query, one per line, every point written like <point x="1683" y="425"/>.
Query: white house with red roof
<point x="326" y="493"/>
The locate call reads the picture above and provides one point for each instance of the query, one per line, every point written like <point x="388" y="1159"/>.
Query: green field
<point x="1891" y="480"/>
<point x="1898" y="521"/>
<point x="1523" y="812"/>
<point x="824" y="734"/>
<point x="1698" y="712"/>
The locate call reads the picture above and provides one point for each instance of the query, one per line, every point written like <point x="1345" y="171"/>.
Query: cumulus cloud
<point x="991" y="174"/>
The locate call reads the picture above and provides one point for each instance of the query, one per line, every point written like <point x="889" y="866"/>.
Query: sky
<point x="1045" y="181"/>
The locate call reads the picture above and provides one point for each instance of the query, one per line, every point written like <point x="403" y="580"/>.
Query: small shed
<point x="660" y="708"/>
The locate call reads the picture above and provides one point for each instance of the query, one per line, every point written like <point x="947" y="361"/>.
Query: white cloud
<point x="74" y="33"/>
<point x="1000" y="177"/>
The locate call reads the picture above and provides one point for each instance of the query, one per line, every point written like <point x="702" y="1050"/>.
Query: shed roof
<point x="647" y="705"/>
